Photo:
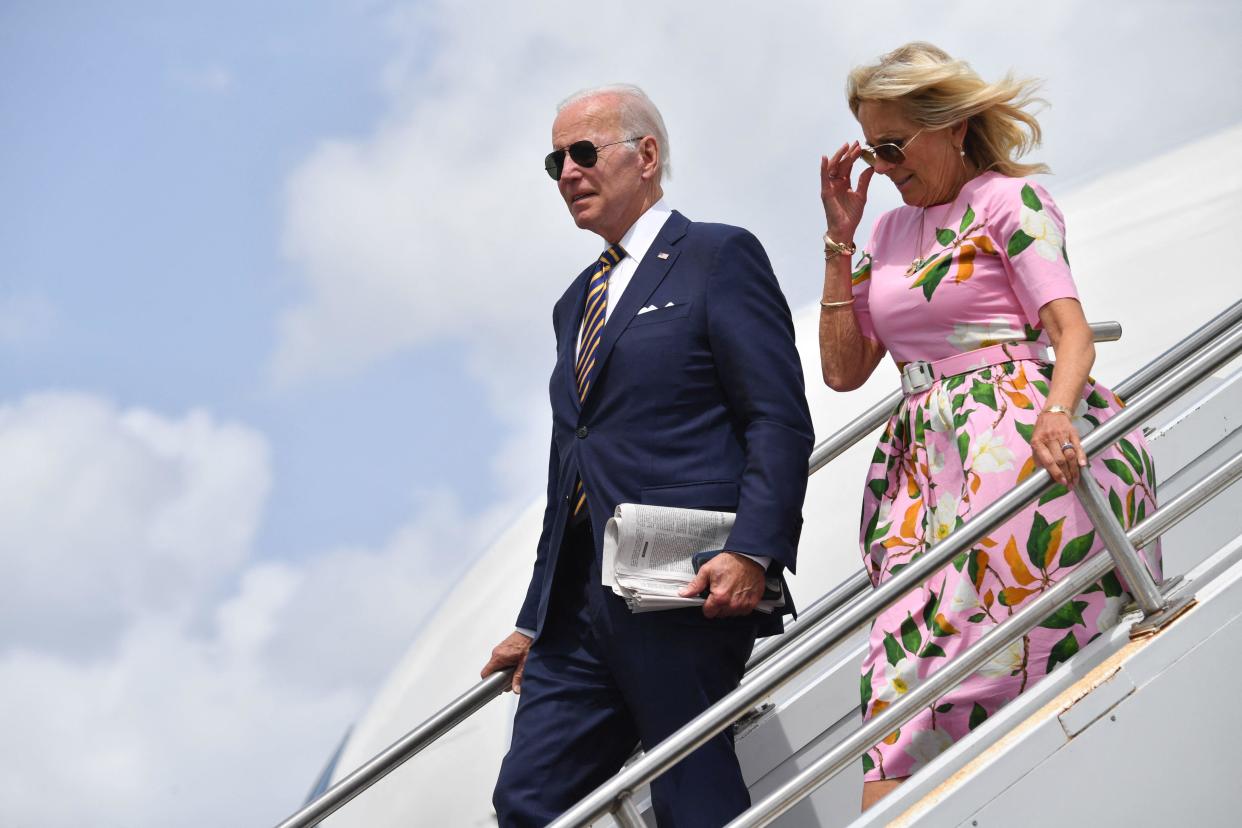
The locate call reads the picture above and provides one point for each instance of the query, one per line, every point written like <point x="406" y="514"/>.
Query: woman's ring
<point x="1066" y="446"/>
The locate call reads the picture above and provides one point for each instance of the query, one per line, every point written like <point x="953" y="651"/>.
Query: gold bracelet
<point x="841" y="304"/>
<point x="832" y="249"/>
<point x="1058" y="409"/>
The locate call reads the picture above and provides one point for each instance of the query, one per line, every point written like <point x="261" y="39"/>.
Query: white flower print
<point x="1041" y="228"/>
<point x="971" y="336"/>
<point x="943" y="517"/>
<point x="965" y="597"/>
<point x="902" y="677"/>
<point x="926" y="745"/>
<point x="935" y="459"/>
<point x="1079" y="421"/>
<point x="1111" y="613"/>
<point x="1005" y="662"/>
<point x="940" y="410"/>
<point x="988" y="454"/>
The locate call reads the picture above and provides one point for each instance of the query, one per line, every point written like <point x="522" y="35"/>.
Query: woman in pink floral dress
<point x="971" y="278"/>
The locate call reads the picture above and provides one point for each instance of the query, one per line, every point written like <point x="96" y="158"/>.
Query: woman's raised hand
<point x="843" y="204"/>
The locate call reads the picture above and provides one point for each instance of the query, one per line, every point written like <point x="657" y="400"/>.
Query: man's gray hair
<point x="638" y="114"/>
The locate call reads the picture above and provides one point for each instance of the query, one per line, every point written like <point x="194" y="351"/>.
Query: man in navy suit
<point x="677" y="383"/>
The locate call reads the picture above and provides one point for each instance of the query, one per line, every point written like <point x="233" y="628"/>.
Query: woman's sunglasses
<point x="888" y="153"/>
<point x="584" y="153"/>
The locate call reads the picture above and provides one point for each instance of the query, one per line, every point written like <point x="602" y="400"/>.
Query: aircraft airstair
<point x="1138" y="727"/>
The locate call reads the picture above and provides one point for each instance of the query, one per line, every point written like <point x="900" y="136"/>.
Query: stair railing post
<point x="1142" y="586"/>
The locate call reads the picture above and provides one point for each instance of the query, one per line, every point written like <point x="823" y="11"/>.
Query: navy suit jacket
<point x="698" y="405"/>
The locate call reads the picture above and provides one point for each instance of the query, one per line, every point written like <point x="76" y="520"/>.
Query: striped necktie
<point x="593" y="317"/>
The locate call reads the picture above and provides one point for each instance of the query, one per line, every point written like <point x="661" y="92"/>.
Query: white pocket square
<point x="647" y="309"/>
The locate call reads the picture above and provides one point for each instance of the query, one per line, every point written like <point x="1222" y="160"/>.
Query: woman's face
<point x="933" y="171"/>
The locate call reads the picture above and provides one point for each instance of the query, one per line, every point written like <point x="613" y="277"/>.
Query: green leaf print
<point x="870" y="534"/>
<point x="1066" y="617"/>
<point x="920" y="425"/>
<point x="1037" y="541"/>
<point x="879" y="455"/>
<point x="932" y="280"/>
<point x="930" y="608"/>
<point x="1111" y="584"/>
<point x="878" y="486"/>
<point x="1040" y="386"/>
<point x="945" y="708"/>
<point x="1025" y="430"/>
<point x="962" y="419"/>
<point x="959" y="561"/>
<point x="1120" y="469"/>
<point x="1141" y="513"/>
<point x="983" y="393"/>
<point x="977" y="617"/>
<point x="868" y="763"/>
<point x="863" y="272"/>
<point x="973" y="570"/>
<point x="1030" y="199"/>
<point x="1131" y="455"/>
<point x="963" y="446"/>
<point x="1056" y="491"/>
<point x="966" y="219"/>
<point x="1063" y="650"/>
<point x="892" y="649"/>
<point x="1115" y="502"/>
<point x="1018" y="242"/>
<point x="945" y="236"/>
<point x="1096" y="400"/>
<point x="1149" y="470"/>
<point x="933" y="650"/>
<point x="864" y="690"/>
<point x="910" y="634"/>
<point x="1077" y="549"/>
<point x="977" y="716"/>
<point x="954" y="382"/>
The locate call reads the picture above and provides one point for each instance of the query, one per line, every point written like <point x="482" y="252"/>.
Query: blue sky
<point x="144" y="156"/>
<point x="275" y="297"/>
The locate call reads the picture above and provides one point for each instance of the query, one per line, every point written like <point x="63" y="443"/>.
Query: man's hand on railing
<point x="509" y="653"/>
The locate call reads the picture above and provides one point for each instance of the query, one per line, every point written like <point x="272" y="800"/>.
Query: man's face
<point x="608" y="197"/>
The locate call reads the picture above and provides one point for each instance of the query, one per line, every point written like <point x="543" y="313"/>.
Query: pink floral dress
<point x="933" y="283"/>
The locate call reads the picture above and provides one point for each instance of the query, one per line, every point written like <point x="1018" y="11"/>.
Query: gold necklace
<point x="921" y="261"/>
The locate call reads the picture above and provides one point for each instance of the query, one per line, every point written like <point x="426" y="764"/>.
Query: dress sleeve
<point x="1030" y="231"/>
<point x="860" y="280"/>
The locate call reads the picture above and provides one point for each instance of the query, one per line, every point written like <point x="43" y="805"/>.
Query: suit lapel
<point x="644" y="282"/>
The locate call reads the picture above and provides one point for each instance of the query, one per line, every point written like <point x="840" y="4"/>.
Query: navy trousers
<point x="601" y="679"/>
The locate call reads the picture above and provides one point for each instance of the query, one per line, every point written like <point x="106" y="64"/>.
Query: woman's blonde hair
<point x="936" y="91"/>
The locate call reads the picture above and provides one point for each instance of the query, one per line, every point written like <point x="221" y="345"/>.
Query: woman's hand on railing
<point x="509" y="653"/>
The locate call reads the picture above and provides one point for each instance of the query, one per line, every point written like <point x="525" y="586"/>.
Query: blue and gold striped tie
<point x="592" y="332"/>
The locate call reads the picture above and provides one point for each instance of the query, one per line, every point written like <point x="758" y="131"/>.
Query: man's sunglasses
<point x="584" y="153"/>
<point x="888" y="153"/>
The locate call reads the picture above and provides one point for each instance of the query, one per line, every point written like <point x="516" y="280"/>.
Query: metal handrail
<point x="852" y="589"/>
<point x="780" y="669"/>
<point x="978" y="654"/>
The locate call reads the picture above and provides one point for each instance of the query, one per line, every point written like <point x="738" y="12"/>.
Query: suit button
<point x="582" y="432"/>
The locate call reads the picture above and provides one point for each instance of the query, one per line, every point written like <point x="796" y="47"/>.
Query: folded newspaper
<point x="649" y="551"/>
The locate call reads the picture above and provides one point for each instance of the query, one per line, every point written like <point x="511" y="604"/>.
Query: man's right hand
<point x="509" y="653"/>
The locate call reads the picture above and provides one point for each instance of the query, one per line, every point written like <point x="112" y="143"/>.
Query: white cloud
<point x="103" y="511"/>
<point x="441" y="224"/>
<point x="153" y="670"/>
